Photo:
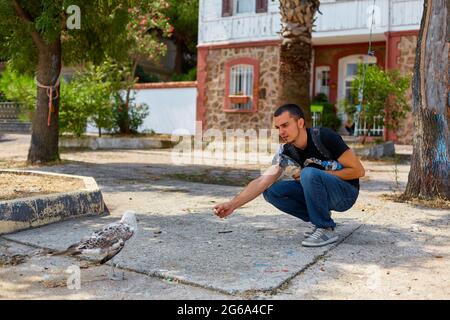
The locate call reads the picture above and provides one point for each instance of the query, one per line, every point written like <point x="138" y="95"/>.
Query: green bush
<point x="91" y="96"/>
<point x="136" y="114"/>
<point x="18" y="88"/>
<point x="329" y="118"/>
<point x="144" y="77"/>
<point x="87" y="98"/>
<point x="190" y="76"/>
<point x="384" y="94"/>
<point x="73" y="116"/>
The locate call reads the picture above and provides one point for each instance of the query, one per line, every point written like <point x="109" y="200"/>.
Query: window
<point x="323" y="80"/>
<point x="352" y="69"/>
<point x="233" y="7"/>
<point x="244" y="6"/>
<point x="241" y="78"/>
<point x="241" y="84"/>
<point x="348" y="69"/>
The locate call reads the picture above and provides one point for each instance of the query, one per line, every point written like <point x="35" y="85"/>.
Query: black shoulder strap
<point x="292" y="153"/>
<point x="315" y="134"/>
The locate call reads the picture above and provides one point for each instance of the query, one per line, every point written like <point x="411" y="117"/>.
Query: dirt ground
<point x="13" y="186"/>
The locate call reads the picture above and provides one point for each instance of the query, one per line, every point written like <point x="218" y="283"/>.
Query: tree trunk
<point x="44" y="138"/>
<point x="178" y="69"/>
<point x="297" y="18"/>
<point x="124" y="125"/>
<point x="430" y="165"/>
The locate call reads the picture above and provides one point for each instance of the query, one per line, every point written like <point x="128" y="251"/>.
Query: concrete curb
<point x="386" y="149"/>
<point x="95" y="143"/>
<point x="30" y="212"/>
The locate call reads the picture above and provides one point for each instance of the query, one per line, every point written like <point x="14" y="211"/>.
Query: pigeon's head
<point x="129" y="218"/>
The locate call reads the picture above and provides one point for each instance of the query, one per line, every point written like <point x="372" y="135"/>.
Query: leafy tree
<point x="143" y="33"/>
<point x="183" y="16"/>
<point x="384" y="95"/>
<point x="37" y="36"/>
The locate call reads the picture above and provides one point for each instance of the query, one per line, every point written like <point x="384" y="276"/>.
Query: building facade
<point x="238" y="55"/>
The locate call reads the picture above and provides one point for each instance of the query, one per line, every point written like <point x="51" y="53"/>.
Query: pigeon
<point x="107" y="242"/>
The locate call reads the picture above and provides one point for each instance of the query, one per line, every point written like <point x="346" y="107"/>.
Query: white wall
<point x="170" y="109"/>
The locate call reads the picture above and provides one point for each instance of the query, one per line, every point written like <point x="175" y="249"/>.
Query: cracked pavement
<point x="387" y="250"/>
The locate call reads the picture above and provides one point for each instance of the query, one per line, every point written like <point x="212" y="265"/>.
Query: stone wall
<point x="268" y="55"/>
<point x="215" y="116"/>
<point x="405" y="61"/>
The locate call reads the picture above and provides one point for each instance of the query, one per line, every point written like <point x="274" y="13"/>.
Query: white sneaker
<point x="321" y="237"/>
<point x="312" y="229"/>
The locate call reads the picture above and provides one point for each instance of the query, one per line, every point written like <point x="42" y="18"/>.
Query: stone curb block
<point x="115" y="143"/>
<point x="386" y="149"/>
<point x="30" y="212"/>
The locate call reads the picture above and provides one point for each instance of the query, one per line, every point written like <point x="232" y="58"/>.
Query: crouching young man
<point x="328" y="180"/>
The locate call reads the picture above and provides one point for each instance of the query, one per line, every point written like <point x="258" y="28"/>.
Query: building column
<point x="202" y="73"/>
<point x="392" y="55"/>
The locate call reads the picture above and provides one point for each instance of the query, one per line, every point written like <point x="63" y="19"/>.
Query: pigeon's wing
<point x="106" y="237"/>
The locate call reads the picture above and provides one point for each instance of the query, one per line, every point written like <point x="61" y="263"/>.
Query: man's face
<point x="288" y="126"/>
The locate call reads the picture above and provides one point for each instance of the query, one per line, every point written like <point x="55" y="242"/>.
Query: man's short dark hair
<point x="293" y="109"/>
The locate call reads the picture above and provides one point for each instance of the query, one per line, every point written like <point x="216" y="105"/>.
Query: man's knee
<point x="271" y="194"/>
<point x="310" y="174"/>
<point x="268" y="194"/>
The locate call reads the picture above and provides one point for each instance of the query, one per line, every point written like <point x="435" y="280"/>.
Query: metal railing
<point x="10" y="110"/>
<point x="361" y="127"/>
<point x="316" y="118"/>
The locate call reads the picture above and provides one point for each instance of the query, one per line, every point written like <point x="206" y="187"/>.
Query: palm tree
<point x="297" y="17"/>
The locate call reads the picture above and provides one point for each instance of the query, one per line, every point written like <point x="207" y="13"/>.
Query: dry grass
<point x="435" y="203"/>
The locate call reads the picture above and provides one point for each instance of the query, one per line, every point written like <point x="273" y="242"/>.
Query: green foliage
<point x="73" y="116"/>
<point x="138" y="112"/>
<point x="97" y="95"/>
<point x="329" y="118"/>
<point x="18" y="87"/>
<point x="190" y="76"/>
<point x="384" y="93"/>
<point x="87" y="98"/>
<point x="183" y="16"/>
<point x="144" y="77"/>
<point x="135" y="115"/>
<point x="114" y="34"/>
<point x="112" y="28"/>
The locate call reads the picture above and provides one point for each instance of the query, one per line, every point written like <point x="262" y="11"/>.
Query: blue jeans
<point x="312" y="198"/>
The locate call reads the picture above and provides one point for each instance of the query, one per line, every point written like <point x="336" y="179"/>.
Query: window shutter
<point x="261" y="6"/>
<point x="227" y="8"/>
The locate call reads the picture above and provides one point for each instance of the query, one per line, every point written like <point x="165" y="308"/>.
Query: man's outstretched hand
<point x="224" y="209"/>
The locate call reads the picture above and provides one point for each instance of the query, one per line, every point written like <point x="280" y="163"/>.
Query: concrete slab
<point x="256" y="249"/>
<point x="47" y="277"/>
